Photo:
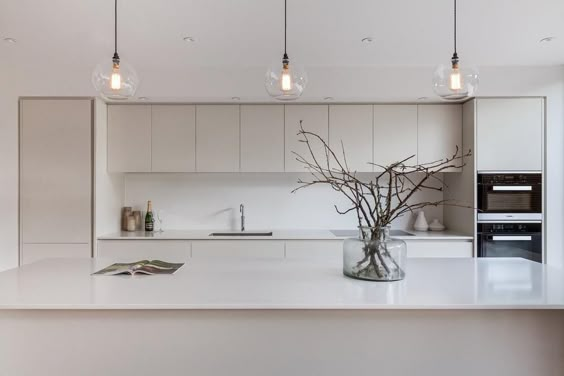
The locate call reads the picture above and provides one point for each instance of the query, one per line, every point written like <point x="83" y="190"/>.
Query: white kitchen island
<point x="283" y="317"/>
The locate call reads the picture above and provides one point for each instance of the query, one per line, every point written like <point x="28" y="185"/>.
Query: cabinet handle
<point x="512" y="188"/>
<point x="512" y="238"/>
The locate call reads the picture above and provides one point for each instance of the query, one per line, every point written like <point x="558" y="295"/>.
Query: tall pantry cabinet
<point x="56" y="169"/>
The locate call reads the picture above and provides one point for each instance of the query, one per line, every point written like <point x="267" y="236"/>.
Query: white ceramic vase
<point x="436" y="225"/>
<point x="421" y="223"/>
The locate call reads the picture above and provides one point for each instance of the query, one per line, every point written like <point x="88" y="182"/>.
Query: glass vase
<point x="374" y="256"/>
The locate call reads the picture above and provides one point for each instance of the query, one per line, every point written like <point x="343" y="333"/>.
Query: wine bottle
<point x="149" y="220"/>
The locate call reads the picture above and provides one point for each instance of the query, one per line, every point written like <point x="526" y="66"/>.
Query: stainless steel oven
<point x="510" y="239"/>
<point x="510" y="197"/>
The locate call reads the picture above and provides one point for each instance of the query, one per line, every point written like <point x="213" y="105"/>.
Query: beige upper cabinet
<point x="56" y="172"/>
<point x="173" y="138"/>
<point x="509" y="134"/>
<point x="129" y="138"/>
<point x="217" y="138"/>
<point x="395" y="134"/>
<point x="262" y="138"/>
<point x="316" y="120"/>
<point x="350" y="126"/>
<point x="439" y="132"/>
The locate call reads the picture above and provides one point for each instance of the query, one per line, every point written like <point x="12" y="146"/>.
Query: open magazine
<point x="140" y="267"/>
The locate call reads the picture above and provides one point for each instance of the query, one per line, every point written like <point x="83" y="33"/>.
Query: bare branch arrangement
<point x="386" y="197"/>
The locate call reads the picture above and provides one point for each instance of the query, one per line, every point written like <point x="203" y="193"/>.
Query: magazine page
<point x="140" y="267"/>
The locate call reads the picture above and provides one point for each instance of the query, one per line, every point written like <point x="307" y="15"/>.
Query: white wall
<point x="211" y="201"/>
<point x="356" y="84"/>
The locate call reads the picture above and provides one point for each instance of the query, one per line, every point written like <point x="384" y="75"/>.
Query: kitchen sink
<point x="239" y="233"/>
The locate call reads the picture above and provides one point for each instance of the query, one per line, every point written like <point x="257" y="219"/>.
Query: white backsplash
<point x="211" y="201"/>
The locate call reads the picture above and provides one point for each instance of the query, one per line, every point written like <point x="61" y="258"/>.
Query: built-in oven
<point x="507" y="239"/>
<point x="507" y="197"/>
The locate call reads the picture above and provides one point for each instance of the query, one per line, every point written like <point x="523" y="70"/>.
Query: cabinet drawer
<point x="135" y="250"/>
<point x="443" y="248"/>
<point x="238" y="249"/>
<point x="314" y="250"/>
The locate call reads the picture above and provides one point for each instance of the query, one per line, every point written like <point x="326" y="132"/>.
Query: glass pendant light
<point x="115" y="78"/>
<point x="285" y="81"/>
<point x="453" y="81"/>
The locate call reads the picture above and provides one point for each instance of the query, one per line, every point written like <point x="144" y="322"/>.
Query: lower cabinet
<point x="135" y="250"/>
<point x="238" y="249"/>
<point x="439" y="248"/>
<point x="129" y="250"/>
<point x="34" y="252"/>
<point x="314" y="249"/>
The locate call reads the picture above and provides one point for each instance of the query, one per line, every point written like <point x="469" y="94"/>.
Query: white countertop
<point x="276" y="235"/>
<point x="285" y="284"/>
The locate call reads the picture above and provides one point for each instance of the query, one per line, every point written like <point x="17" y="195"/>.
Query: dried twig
<point x="376" y="205"/>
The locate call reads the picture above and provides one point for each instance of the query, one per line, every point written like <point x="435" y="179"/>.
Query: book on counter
<point x="140" y="267"/>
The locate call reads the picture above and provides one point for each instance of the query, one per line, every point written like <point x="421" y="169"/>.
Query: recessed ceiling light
<point x="236" y="98"/>
<point x="367" y="40"/>
<point x="10" y="40"/>
<point x="328" y="98"/>
<point x="189" y="39"/>
<point x="547" y="39"/>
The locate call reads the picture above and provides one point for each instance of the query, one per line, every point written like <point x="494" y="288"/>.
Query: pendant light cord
<point x="285" y="27"/>
<point x="116" y="56"/>
<point x="454" y="26"/>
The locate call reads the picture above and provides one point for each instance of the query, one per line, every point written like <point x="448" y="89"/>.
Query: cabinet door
<point x="149" y="249"/>
<point x="129" y="138"/>
<point x="56" y="171"/>
<point x="36" y="252"/>
<point x="442" y="248"/>
<point x="173" y="138"/>
<point x="238" y="249"/>
<point x="316" y="120"/>
<point x="321" y="250"/>
<point x="439" y="132"/>
<point x="510" y="134"/>
<point x="217" y="138"/>
<point x="262" y="138"/>
<point x="395" y="134"/>
<point x="351" y="126"/>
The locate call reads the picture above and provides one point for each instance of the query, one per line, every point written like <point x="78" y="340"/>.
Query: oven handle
<point x="512" y="238"/>
<point x="513" y="188"/>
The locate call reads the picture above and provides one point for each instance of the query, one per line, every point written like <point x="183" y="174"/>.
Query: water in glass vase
<point x="374" y="256"/>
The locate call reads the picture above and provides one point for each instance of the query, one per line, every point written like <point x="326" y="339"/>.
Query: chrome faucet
<point x="242" y="210"/>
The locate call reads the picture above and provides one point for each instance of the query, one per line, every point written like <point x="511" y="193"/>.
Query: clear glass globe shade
<point x="455" y="84"/>
<point x="127" y="83"/>
<point x="285" y="85"/>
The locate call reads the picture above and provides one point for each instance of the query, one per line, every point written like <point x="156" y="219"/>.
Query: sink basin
<point x="245" y="233"/>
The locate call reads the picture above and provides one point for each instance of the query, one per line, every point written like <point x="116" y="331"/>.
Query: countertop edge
<point x="173" y="307"/>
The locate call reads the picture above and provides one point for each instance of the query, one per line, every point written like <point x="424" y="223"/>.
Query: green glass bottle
<point x="149" y="220"/>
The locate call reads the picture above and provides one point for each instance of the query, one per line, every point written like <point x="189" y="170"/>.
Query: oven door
<point x="510" y="194"/>
<point x="525" y="245"/>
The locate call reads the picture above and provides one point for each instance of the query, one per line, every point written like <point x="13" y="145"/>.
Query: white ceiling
<point x="321" y="32"/>
<point x="233" y="34"/>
